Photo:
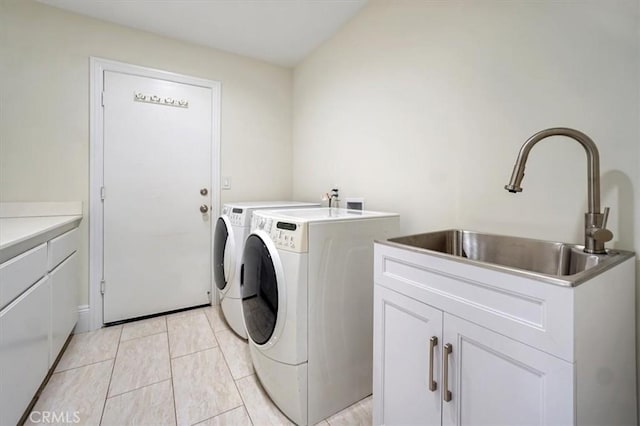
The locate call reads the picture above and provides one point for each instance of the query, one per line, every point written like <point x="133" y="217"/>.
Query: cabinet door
<point x="495" y="380"/>
<point x="403" y="328"/>
<point x="64" y="303"/>
<point x="24" y="350"/>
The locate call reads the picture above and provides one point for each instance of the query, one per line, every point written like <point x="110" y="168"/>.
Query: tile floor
<point x="185" y="368"/>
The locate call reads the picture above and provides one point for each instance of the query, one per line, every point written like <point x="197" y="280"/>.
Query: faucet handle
<point x="602" y="235"/>
<point x="600" y="232"/>
<point x="605" y="217"/>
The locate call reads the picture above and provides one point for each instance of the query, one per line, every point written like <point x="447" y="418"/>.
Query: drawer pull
<point x="433" y="385"/>
<point x="446" y="393"/>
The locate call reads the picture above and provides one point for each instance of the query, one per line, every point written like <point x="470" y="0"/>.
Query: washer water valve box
<point x="354" y="203"/>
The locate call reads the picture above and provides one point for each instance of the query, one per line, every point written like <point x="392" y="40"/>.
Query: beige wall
<point x="44" y="111"/>
<point x="421" y="107"/>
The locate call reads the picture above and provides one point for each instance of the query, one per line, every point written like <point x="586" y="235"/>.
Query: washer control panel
<point x="286" y="235"/>
<point x="261" y="223"/>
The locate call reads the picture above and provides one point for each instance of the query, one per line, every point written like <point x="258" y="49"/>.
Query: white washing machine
<point x="307" y="297"/>
<point x="232" y="228"/>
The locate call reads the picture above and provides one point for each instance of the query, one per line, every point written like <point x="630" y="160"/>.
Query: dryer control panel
<point x="236" y="215"/>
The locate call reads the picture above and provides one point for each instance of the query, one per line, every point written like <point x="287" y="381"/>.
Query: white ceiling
<point x="278" y="31"/>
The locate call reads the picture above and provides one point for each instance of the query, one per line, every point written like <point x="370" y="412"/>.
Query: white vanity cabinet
<point x="38" y="312"/>
<point x="521" y="351"/>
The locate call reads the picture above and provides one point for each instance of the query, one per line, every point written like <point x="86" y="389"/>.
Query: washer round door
<point x="262" y="297"/>
<point x="223" y="253"/>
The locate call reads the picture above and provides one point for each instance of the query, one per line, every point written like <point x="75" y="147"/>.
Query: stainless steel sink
<point x="559" y="263"/>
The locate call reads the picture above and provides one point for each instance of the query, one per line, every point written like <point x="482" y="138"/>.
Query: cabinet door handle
<point x="433" y="385"/>
<point x="446" y="393"/>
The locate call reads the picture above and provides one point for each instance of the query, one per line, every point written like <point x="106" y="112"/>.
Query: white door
<point x="407" y="354"/>
<point x="157" y="159"/>
<point x="495" y="380"/>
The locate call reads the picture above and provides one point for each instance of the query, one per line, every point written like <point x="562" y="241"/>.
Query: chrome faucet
<point x="333" y="197"/>
<point x="595" y="223"/>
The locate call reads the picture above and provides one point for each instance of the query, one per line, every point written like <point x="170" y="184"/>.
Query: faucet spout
<point x="595" y="222"/>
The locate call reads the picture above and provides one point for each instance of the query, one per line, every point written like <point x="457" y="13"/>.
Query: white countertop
<point x="19" y="234"/>
<point x="19" y="229"/>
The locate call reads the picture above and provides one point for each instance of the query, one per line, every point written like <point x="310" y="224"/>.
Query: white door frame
<point x="96" y="166"/>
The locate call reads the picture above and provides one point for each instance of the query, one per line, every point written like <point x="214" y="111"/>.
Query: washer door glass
<point x="259" y="288"/>
<point x="220" y="267"/>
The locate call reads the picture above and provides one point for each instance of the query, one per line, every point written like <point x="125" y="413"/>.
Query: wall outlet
<point x="226" y="182"/>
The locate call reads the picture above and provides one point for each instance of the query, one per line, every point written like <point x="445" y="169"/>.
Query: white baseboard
<point x="84" y="324"/>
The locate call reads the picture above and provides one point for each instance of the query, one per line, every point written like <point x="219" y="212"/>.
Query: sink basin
<point x="560" y="263"/>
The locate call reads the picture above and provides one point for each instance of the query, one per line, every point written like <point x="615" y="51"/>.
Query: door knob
<point x="204" y="191"/>
<point x="204" y="208"/>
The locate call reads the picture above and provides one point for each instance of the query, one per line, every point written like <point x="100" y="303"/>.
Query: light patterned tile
<point x="150" y="405"/>
<point x="189" y="334"/>
<point x="143" y="328"/>
<point x="140" y="362"/>
<point x="236" y="352"/>
<point x="203" y="386"/>
<point x="322" y="423"/>
<point x="236" y="417"/>
<point x="77" y="394"/>
<point x="367" y="407"/>
<point x="357" y="414"/>
<point x="89" y="348"/>
<point x="216" y="318"/>
<point x="259" y="406"/>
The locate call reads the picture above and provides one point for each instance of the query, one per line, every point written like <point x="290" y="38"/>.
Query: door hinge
<point x="102" y="192"/>
<point x="102" y="287"/>
<point x="102" y="99"/>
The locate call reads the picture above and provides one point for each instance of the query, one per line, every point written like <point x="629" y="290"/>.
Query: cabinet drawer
<point x="24" y="350"/>
<point x="19" y="273"/>
<point x="61" y="247"/>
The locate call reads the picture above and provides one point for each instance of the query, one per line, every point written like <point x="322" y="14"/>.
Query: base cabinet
<point x="459" y="344"/>
<point x="35" y="324"/>
<point x="435" y="368"/>
<point x="24" y="350"/>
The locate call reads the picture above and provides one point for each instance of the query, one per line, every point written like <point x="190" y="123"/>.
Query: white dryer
<point x="307" y="297"/>
<point x="232" y="228"/>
